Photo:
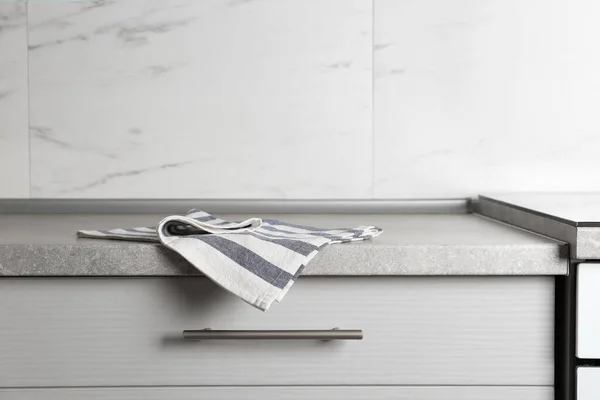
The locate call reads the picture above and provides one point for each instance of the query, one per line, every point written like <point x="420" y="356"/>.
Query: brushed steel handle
<point x="333" y="334"/>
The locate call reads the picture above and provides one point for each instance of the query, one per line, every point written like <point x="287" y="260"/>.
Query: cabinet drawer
<point x="127" y="332"/>
<point x="588" y="383"/>
<point x="588" y="315"/>
<point x="285" y="393"/>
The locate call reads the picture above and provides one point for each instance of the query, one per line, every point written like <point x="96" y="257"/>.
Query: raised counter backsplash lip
<point x="569" y="217"/>
<point x="567" y="207"/>
<point x="230" y="206"/>
<point x="536" y="212"/>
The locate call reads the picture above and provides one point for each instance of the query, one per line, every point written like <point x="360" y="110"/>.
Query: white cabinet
<point x="588" y="311"/>
<point x="417" y="331"/>
<point x="588" y="383"/>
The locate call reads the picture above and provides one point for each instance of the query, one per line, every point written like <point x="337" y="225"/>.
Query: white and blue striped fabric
<point x="257" y="260"/>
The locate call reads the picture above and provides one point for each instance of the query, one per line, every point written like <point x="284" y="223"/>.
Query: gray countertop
<point x="446" y="244"/>
<point x="571" y="217"/>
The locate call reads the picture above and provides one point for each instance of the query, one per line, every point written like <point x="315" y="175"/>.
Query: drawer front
<point x="588" y="383"/>
<point x="285" y="393"/>
<point x="127" y="332"/>
<point x="588" y="315"/>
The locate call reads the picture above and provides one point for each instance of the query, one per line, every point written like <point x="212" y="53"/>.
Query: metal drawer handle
<point x="334" y="334"/>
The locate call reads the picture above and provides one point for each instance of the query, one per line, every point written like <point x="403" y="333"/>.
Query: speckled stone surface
<point x="46" y="245"/>
<point x="588" y="243"/>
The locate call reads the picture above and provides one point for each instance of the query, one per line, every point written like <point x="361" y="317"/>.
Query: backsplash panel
<point x="304" y="99"/>
<point x="14" y="140"/>
<point x="201" y="99"/>
<point x="479" y="96"/>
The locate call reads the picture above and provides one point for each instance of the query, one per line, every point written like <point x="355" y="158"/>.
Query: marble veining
<point x="123" y="174"/>
<point x="14" y="141"/>
<point x="485" y="95"/>
<point x="204" y="99"/>
<point x="275" y="98"/>
<point x="47" y="135"/>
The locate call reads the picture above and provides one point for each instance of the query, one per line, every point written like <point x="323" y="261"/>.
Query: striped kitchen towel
<point x="258" y="260"/>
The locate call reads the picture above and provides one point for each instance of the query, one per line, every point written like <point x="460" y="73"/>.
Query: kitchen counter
<point x="571" y="217"/>
<point x="123" y="307"/>
<point x="412" y="244"/>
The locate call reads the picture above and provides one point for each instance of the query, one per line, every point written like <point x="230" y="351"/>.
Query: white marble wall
<point x="479" y="96"/>
<point x="210" y="99"/>
<point x="14" y="138"/>
<point x="298" y="98"/>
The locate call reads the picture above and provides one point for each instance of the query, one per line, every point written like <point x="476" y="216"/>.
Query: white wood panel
<point x="588" y="383"/>
<point x="127" y="332"/>
<point x="285" y="393"/>
<point x="588" y="311"/>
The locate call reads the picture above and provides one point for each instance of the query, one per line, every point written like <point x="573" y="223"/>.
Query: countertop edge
<point x="403" y="260"/>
